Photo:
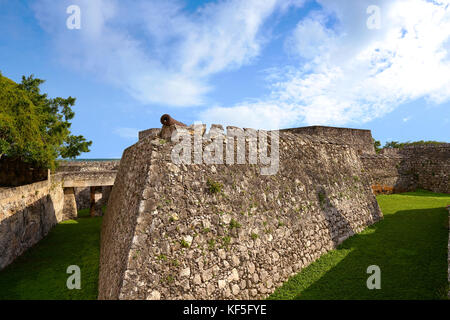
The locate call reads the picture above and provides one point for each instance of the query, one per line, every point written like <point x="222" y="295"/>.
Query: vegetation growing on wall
<point x="34" y="128"/>
<point x="399" y="145"/>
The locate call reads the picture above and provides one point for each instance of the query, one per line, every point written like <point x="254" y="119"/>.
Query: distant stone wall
<point x="74" y="166"/>
<point x="430" y="164"/>
<point x="83" y="194"/>
<point x="359" y="139"/>
<point x="410" y="168"/>
<point x="15" y="173"/>
<point x="27" y="213"/>
<point x="387" y="173"/>
<point x="226" y="231"/>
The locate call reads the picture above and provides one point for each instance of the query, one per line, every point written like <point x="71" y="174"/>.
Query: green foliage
<point x="34" y="128"/>
<point x="73" y="146"/>
<point x="234" y="224"/>
<point x="175" y="263"/>
<point x="214" y="186"/>
<point x="162" y="257"/>
<point x="377" y="145"/>
<point x="399" y="145"/>
<point x="321" y="196"/>
<point x="184" y="243"/>
<point x="211" y="244"/>
<point x="226" y="241"/>
<point x="392" y="144"/>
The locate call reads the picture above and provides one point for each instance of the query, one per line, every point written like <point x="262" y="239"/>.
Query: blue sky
<point x="261" y="64"/>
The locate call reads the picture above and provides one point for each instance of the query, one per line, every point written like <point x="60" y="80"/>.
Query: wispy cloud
<point x="158" y="51"/>
<point x="350" y="74"/>
<point x="162" y="53"/>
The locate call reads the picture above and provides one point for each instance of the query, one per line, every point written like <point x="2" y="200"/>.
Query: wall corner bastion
<point x="224" y="231"/>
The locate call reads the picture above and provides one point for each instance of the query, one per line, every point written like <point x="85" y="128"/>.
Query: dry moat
<point x="309" y="230"/>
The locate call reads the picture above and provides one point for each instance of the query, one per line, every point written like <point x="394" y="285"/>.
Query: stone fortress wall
<point x="225" y="231"/>
<point x="166" y="235"/>
<point x="27" y="213"/>
<point x="410" y="168"/>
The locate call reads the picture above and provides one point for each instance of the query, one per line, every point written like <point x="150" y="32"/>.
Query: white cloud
<point x="261" y="115"/>
<point x="310" y="38"/>
<point x="156" y="50"/>
<point x="350" y="74"/>
<point x="162" y="53"/>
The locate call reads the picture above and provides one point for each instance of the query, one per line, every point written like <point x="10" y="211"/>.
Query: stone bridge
<point x="89" y="181"/>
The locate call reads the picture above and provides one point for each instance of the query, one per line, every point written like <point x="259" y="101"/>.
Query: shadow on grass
<point x="40" y="273"/>
<point x="410" y="247"/>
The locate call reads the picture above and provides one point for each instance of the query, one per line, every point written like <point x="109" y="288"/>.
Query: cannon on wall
<point x="168" y="127"/>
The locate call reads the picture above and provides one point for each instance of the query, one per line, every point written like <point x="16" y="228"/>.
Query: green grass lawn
<point x="40" y="273"/>
<point x="409" y="245"/>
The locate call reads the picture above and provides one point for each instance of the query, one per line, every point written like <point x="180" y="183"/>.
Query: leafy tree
<point x="398" y="145"/>
<point x="393" y="144"/>
<point x="35" y="128"/>
<point x="377" y="145"/>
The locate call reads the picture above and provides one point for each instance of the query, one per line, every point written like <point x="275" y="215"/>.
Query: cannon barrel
<point x="167" y="120"/>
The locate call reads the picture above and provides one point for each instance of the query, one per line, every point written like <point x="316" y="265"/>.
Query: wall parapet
<point x="11" y="193"/>
<point x="75" y="166"/>
<point x="360" y="139"/>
